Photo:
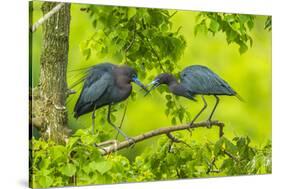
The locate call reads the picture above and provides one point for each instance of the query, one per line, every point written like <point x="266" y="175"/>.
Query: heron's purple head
<point x="132" y="76"/>
<point x="163" y="78"/>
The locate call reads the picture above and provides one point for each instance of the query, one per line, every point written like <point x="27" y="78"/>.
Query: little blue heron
<point x="105" y="84"/>
<point x="196" y="80"/>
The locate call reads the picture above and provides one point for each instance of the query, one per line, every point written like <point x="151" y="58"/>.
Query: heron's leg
<point x="115" y="127"/>
<point x="93" y="119"/>
<point x="124" y="113"/>
<point x="212" y="113"/>
<point x="199" y="113"/>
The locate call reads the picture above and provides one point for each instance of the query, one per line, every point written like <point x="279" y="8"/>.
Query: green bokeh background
<point x="249" y="74"/>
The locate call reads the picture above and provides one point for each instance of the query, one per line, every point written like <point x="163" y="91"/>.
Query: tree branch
<point x="132" y="41"/>
<point x="173" y="140"/>
<point x="231" y="155"/>
<point x="47" y="16"/>
<point x="166" y="130"/>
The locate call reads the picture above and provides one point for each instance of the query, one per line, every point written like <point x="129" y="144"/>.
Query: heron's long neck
<point x="172" y="81"/>
<point x="123" y="88"/>
<point x="173" y="84"/>
<point x="121" y="79"/>
<point x="176" y="88"/>
<point x="123" y="82"/>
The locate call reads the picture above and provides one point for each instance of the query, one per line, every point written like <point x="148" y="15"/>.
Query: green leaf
<point x="45" y="181"/>
<point x="229" y="146"/>
<point x="86" y="53"/>
<point x="181" y="115"/>
<point x="131" y="12"/>
<point x="218" y="146"/>
<point x="88" y="139"/>
<point x="174" y="122"/>
<point x="250" y="24"/>
<point x="201" y="28"/>
<point x="102" y="167"/>
<point x="167" y="111"/>
<point x="44" y="163"/>
<point x="68" y="170"/>
<point x="72" y="141"/>
<point x="214" y="26"/>
<point x="227" y="163"/>
<point x="168" y="97"/>
<point x="164" y="27"/>
<point x="58" y="152"/>
<point x="243" y="48"/>
<point x="244" y="18"/>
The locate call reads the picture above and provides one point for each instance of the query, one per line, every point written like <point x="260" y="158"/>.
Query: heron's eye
<point x="157" y="81"/>
<point x="134" y="76"/>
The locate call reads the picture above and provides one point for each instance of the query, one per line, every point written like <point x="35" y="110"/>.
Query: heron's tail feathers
<point x="239" y="97"/>
<point x="75" y="115"/>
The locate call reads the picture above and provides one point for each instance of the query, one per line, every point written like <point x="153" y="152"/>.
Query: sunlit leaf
<point x="68" y="170"/>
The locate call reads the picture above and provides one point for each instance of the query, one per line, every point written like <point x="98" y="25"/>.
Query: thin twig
<point x="174" y="13"/>
<point x="230" y="155"/>
<point x="160" y="131"/>
<point x="174" y="140"/>
<point x="221" y="133"/>
<point x="132" y="41"/>
<point x="47" y="16"/>
<point x="122" y="120"/>
<point x="210" y="168"/>
<point x="155" y="54"/>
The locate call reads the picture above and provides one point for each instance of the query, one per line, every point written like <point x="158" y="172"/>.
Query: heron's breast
<point x="120" y="94"/>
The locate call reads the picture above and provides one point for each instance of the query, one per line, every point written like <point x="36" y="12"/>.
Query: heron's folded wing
<point x="94" y="88"/>
<point x="201" y="80"/>
<point x="92" y="74"/>
<point x="193" y="81"/>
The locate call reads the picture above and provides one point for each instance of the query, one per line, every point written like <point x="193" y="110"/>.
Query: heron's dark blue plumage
<point x="98" y="80"/>
<point x="196" y="80"/>
<point x="105" y="84"/>
<point x="201" y="80"/>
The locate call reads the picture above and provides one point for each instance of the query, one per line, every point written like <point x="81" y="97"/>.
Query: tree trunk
<point x="52" y="89"/>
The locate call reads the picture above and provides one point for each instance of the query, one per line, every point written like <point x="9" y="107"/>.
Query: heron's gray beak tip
<point x="154" y="84"/>
<point x="137" y="81"/>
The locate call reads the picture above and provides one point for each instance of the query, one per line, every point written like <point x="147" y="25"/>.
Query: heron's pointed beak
<point x="154" y="84"/>
<point x="137" y="81"/>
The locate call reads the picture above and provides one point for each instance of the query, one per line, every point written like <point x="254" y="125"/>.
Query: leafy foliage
<point x="79" y="162"/>
<point x="140" y="37"/>
<point x="235" y="26"/>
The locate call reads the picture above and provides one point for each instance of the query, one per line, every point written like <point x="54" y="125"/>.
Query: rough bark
<point x="50" y="96"/>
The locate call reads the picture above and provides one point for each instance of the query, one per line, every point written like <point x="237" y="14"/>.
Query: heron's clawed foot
<point x="189" y="129"/>
<point x="131" y="141"/>
<point x="209" y="123"/>
<point x="100" y="147"/>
